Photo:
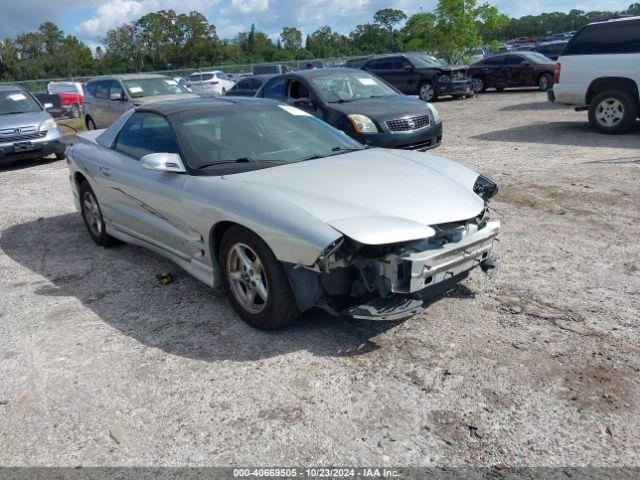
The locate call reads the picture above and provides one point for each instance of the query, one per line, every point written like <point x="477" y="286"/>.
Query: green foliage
<point x="165" y="40"/>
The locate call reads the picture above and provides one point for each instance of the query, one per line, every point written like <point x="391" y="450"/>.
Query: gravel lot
<point x="100" y="364"/>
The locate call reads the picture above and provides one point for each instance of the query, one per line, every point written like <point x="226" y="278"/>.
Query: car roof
<point x="128" y="76"/>
<point x="320" y="72"/>
<point x="612" y="20"/>
<point x="262" y="76"/>
<point x="172" y="107"/>
<point x="6" y="88"/>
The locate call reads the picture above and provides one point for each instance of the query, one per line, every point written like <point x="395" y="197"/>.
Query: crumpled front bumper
<point x="413" y="277"/>
<point x="413" y="271"/>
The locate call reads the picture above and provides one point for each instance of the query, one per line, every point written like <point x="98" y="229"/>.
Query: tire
<point x="545" y="82"/>
<point x="60" y="156"/>
<point x="92" y="216"/>
<point x="426" y="92"/>
<point x="478" y="84"/>
<point x="259" y="272"/>
<point x="75" y="111"/>
<point x="613" y="112"/>
<point x="91" y="125"/>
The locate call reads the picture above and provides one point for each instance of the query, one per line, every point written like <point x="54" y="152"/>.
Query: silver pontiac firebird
<point x="281" y="209"/>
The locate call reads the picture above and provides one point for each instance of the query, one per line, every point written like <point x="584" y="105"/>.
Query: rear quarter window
<point x="603" y="38"/>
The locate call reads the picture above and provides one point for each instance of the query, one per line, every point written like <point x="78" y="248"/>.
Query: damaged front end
<point x="393" y="281"/>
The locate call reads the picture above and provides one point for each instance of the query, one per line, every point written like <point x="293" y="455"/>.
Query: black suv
<point x="419" y="74"/>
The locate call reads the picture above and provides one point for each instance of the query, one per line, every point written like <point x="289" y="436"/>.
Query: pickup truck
<point x="64" y="104"/>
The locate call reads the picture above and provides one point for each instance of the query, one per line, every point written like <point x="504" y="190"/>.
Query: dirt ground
<point x="100" y="364"/>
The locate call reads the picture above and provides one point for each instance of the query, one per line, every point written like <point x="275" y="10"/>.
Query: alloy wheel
<point x="544" y="83"/>
<point x="609" y="112"/>
<point x="92" y="214"/>
<point x="426" y="92"/>
<point x="477" y="84"/>
<point x="247" y="278"/>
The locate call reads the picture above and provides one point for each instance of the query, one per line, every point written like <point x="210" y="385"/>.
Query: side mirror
<point x="408" y="68"/>
<point x="163" y="162"/>
<point x="117" y="96"/>
<point x="48" y="106"/>
<point x="303" y="102"/>
<point x="525" y="64"/>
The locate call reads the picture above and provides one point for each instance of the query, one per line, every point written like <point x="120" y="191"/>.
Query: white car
<point x="599" y="71"/>
<point x="213" y="83"/>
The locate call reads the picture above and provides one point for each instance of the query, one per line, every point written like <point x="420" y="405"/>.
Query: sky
<point x="89" y="20"/>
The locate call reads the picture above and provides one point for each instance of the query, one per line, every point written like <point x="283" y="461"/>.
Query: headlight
<point x="485" y="187"/>
<point x="48" y="124"/>
<point x="434" y="112"/>
<point x="444" y="78"/>
<point x="362" y="123"/>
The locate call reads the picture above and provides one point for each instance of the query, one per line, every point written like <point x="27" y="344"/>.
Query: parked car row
<point x="522" y="69"/>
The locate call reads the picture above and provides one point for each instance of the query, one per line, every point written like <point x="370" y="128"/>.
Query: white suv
<point x="210" y="83"/>
<point x="599" y="71"/>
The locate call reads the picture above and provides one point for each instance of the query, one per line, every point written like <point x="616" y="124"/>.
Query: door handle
<point x="105" y="171"/>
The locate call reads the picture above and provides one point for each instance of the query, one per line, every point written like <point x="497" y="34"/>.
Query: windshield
<point x="148" y="87"/>
<point x="424" y="61"/>
<point x="264" y="134"/>
<point x="350" y="86"/>
<point x="17" y="101"/>
<point x="538" y="57"/>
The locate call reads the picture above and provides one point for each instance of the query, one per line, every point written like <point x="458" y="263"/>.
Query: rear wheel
<point x="91" y="125"/>
<point x="426" y="92"/>
<point x="92" y="216"/>
<point x="544" y="82"/>
<point x="478" y="85"/>
<point x="613" y="112"/>
<point x="255" y="281"/>
<point x="75" y="111"/>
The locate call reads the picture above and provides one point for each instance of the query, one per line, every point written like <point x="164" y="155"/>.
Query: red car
<point x="71" y="103"/>
<point x="518" y="69"/>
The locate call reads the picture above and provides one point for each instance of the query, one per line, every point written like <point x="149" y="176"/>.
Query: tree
<point x="461" y="25"/>
<point x="291" y="39"/>
<point x="388" y="17"/>
<point x="418" y="31"/>
<point x="51" y="36"/>
<point x="369" y="38"/>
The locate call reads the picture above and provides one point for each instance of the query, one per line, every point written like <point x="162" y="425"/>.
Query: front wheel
<point x="545" y="82"/>
<point x="478" y="85"/>
<point x="613" y="112"/>
<point x="426" y="92"/>
<point x="92" y="216"/>
<point x="91" y="125"/>
<point x="255" y="281"/>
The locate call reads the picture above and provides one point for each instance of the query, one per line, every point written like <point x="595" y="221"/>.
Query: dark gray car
<point x="27" y="131"/>
<point x="108" y="97"/>
<point x="363" y="106"/>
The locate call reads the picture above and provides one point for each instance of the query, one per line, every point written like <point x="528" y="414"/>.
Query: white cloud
<point x="110" y="15"/>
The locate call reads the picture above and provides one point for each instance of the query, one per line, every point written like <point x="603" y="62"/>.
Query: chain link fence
<point x="40" y="85"/>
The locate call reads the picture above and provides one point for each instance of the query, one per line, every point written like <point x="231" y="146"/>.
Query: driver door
<point x="297" y="90"/>
<point x="147" y="204"/>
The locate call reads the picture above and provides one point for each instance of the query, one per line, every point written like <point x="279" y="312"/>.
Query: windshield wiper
<point x="222" y="162"/>
<point x="342" y="100"/>
<point x="348" y="149"/>
<point x="15" y="113"/>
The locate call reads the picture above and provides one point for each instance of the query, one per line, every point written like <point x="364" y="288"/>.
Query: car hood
<point x="375" y="196"/>
<point x="27" y="119"/>
<point x="163" y="98"/>
<point x="386" y="107"/>
<point x="444" y="68"/>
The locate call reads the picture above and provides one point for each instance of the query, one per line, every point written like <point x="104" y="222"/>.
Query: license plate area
<point x="24" y="147"/>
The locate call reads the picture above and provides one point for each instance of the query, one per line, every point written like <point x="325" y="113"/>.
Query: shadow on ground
<point x="8" y="164"/>
<point x="579" y="134"/>
<point x="185" y="318"/>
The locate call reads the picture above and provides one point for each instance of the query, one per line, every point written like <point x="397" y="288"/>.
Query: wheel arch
<point x="603" y="84"/>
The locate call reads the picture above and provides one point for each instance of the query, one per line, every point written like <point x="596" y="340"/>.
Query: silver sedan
<point x="282" y="210"/>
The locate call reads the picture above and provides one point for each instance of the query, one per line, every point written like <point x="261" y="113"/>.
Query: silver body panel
<point x="374" y="197"/>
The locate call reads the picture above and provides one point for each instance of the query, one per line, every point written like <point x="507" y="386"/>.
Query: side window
<point x="91" y="88"/>
<point x="194" y="77"/>
<point x="256" y="84"/>
<point x="514" y="60"/>
<point x="243" y="84"/>
<point x="275" y="89"/>
<point x="614" y="37"/>
<point x="297" y="90"/>
<point x="115" y="89"/>
<point x="222" y="75"/>
<point x="397" y="63"/>
<point x="385" y="64"/>
<point x="102" y="89"/>
<point x="146" y="133"/>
